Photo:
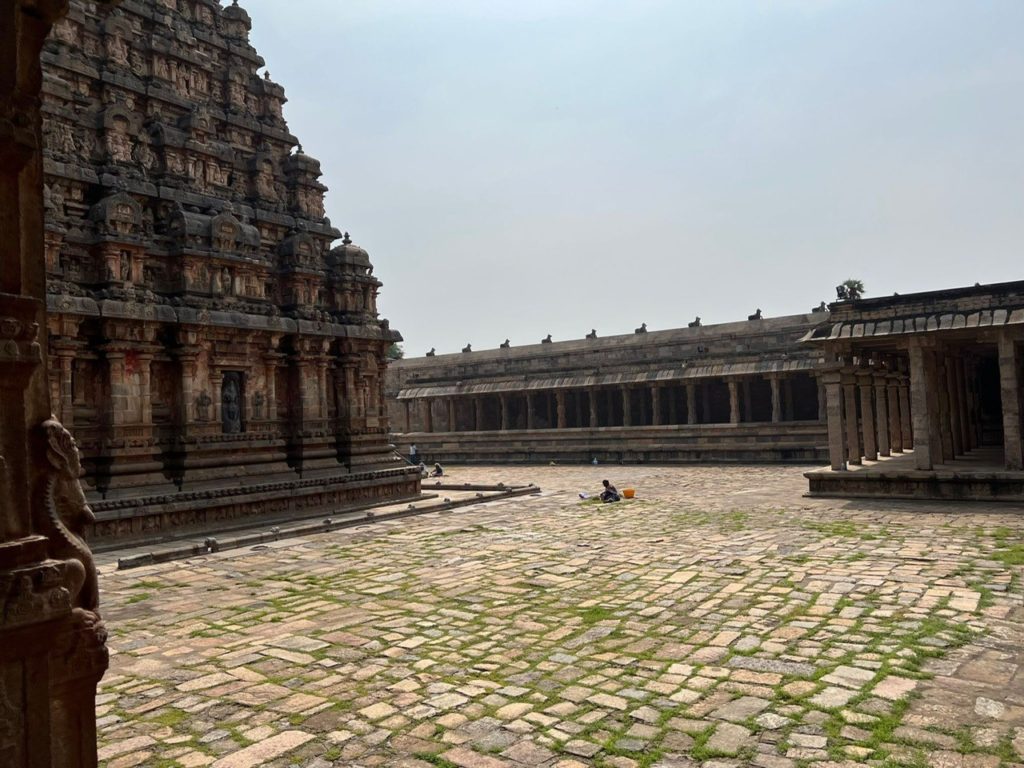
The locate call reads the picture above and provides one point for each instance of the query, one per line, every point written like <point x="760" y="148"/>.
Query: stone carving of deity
<point x="160" y="68"/>
<point x="143" y="156"/>
<point x="257" y="405"/>
<point x="203" y="403"/>
<point x="119" y="146"/>
<point x="117" y="50"/>
<point x="231" y="404"/>
<point x="126" y="266"/>
<point x="226" y="281"/>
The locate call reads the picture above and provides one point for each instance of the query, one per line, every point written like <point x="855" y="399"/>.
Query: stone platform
<point x="792" y="442"/>
<point x="977" y="476"/>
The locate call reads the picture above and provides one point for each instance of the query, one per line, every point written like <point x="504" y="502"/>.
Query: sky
<point x="523" y="167"/>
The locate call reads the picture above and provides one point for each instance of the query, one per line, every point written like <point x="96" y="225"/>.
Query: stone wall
<point x="204" y="330"/>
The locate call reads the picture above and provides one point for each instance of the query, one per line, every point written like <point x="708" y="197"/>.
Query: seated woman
<point x="437" y="471"/>
<point x="610" y="493"/>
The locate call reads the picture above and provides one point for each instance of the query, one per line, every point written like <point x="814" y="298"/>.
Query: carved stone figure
<point x="641" y="329"/>
<point x="546" y="339"/>
<point x="592" y="334"/>
<point x="203" y="403"/>
<point x="231" y="404"/>
<point x="695" y="323"/>
<point x="467" y="348"/>
<point x="506" y="344"/>
<point x="257" y="405"/>
<point x="755" y="316"/>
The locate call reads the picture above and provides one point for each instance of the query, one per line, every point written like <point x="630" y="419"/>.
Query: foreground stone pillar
<point x="747" y="410"/>
<point x="879" y="381"/>
<point x="924" y="450"/>
<point x="428" y="414"/>
<point x="956" y="435"/>
<point x="673" y="414"/>
<point x="966" y="429"/>
<point x="853" y="444"/>
<point x="655" y="406"/>
<point x="776" y="399"/>
<point x="531" y="416"/>
<point x="906" y="417"/>
<point x="691" y="403"/>
<point x="450" y="403"/>
<point x="560" y="409"/>
<point x="1009" y="390"/>
<point x="52" y="642"/>
<point x="822" y="407"/>
<point x="503" y="404"/>
<point x="734" y="402"/>
<point x="867" y="414"/>
<point x="833" y="391"/>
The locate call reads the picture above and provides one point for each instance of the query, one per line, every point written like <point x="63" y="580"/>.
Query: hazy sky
<point x="524" y="167"/>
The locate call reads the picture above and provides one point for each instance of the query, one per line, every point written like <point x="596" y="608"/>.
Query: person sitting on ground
<point x="423" y="470"/>
<point x="438" y="471"/>
<point x="610" y="493"/>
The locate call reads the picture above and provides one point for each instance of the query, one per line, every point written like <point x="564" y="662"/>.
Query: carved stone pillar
<point x="52" y="651"/>
<point x="450" y="403"/>
<point x="895" y="422"/>
<point x="833" y="389"/>
<point x="878" y="381"/>
<point x="478" y="414"/>
<point x="1009" y="390"/>
<point x="673" y="405"/>
<point x="531" y="416"/>
<point x="560" y="407"/>
<point x="776" y="399"/>
<point x="865" y="388"/>
<point x="787" y="400"/>
<point x="966" y="430"/>
<point x="627" y="407"/>
<point x="66" y="358"/>
<point x="906" y="417"/>
<point x="924" y="450"/>
<point x="956" y="435"/>
<point x="746" y="412"/>
<point x="734" y="402"/>
<point x="145" y="390"/>
<point x="705" y="402"/>
<point x="853" y="444"/>
<point x="822" y="405"/>
<point x="503" y="404"/>
<point x="270" y="363"/>
<point x="592" y="402"/>
<point x="655" y="405"/>
<point x="428" y="414"/>
<point x="691" y="402"/>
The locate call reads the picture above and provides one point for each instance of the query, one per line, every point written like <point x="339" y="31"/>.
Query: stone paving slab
<point x="720" y="619"/>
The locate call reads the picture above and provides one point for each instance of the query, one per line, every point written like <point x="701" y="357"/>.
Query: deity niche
<point x="203" y="403"/>
<point x="126" y="266"/>
<point x="66" y="32"/>
<point x="231" y="403"/>
<point x="257" y="405"/>
<point x="117" y="49"/>
<point x="143" y="156"/>
<point x="118" y="145"/>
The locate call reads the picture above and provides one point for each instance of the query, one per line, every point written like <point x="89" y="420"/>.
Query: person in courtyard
<point x="423" y="470"/>
<point x="437" y="471"/>
<point x="610" y="492"/>
<point x="414" y="455"/>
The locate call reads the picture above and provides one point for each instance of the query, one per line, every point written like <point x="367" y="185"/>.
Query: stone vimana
<point x="204" y="331"/>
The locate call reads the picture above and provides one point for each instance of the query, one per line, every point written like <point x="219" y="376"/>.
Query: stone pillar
<point x="592" y="402"/>
<point x="776" y="399"/>
<point x="52" y="643"/>
<point x="966" y="429"/>
<point x="822" y="407"/>
<point x="217" y="380"/>
<point x="321" y="383"/>
<point x="627" y="408"/>
<point x="560" y="408"/>
<point x="924" y="450"/>
<point x="270" y="363"/>
<point x="451" y="414"/>
<point x="66" y="358"/>
<point x="408" y="415"/>
<point x="1009" y="390"/>
<point x="655" y="405"/>
<point x="956" y="435"/>
<point x="906" y="417"/>
<point x="428" y="414"/>
<point x="691" y="402"/>
<point x="673" y="412"/>
<point x="787" y="400"/>
<point x="831" y="384"/>
<point x="478" y="414"/>
<point x="895" y="423"/>
<point x="944" y="412"/>
<point x="145" y="390"/>
<point x="578" y="408"/>
<point x="853" y="445"/>
<point x="734" y="402"/>
<point x="879" y="380"/>
<point x="503" y="404"/>
<point x="531" y="416"/>
<point x="867" y="414"/>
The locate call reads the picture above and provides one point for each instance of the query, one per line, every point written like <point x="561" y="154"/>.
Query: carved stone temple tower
<point x="216" y="358"/>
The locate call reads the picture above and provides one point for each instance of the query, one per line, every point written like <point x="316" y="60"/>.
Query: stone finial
<point x="298" y="149"/>
<point x="266" y="74"/>
<point x="346" y="240"/>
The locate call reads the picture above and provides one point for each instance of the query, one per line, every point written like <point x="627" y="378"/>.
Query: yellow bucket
<point x="628" y="493"/>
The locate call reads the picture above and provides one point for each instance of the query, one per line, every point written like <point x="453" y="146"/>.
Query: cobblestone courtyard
<point x="719" y="619"/>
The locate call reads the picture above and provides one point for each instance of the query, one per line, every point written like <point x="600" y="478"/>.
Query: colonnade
<point x="711" y="400"/>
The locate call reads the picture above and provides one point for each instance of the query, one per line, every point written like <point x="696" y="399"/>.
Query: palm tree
<point x="850" y="290"/>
